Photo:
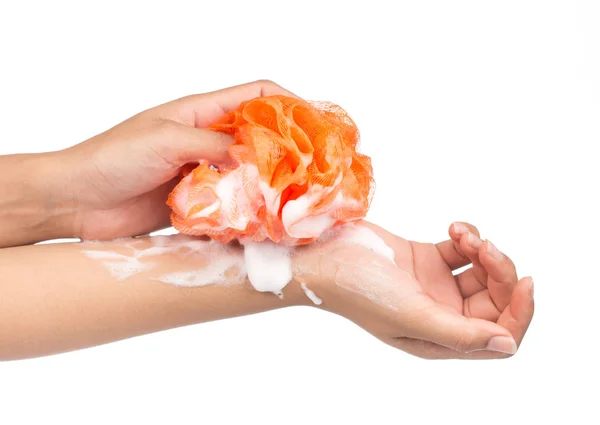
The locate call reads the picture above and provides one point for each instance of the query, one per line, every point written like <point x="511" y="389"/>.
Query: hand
<point x="122" y="177"/>
<point x="417" y="304"/>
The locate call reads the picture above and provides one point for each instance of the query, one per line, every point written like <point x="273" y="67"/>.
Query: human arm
<point x="32" y="202"/>
<point x="61" y="297"/>
<point x="115" y="184"/>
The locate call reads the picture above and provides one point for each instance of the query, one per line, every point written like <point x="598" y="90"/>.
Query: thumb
<point x="460" y="333"/>
<point x="181" y="144"/>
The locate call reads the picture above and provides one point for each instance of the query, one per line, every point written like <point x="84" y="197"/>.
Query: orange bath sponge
<point x="297" y="173"/>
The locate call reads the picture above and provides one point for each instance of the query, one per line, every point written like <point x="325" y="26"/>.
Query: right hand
<point x="121" y="178"/>
<point x="417" y="304"/>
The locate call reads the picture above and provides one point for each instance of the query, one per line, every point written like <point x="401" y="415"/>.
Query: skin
<point x="56" y="299"/>
<point x="114" y="185"/>
<point x="481" y="313"/>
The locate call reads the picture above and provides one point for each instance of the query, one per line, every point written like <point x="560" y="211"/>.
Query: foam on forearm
<point x="267" y="266"/>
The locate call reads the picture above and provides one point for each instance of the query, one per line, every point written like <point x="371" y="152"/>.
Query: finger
<point x="468" y="284"/>
<point x="517" y="316"/>
<point x="450" y="249"/>
<point x="230" y="98"/>
<point x="502" y="274"/>
<point x="201" y="110"/>
<point x="474" y="279"/>
<point x="481" y="306"/>
<point x="179" y="144"/>
<point x="457" y="332"/>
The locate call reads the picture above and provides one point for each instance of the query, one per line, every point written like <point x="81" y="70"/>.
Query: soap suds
<point x="217" y="259"/>
<point x="125" y="269"/>
<point x="268" y="265"/>
<point x="311" y="295"/>
<point x="120" y="266"/>
<point x="377" y="277"/>
<point x="235" y="205"/>
<point x="379" y="282"/>
<point x="299" y="217"/>
<point x="367" y="238"/>
<point x="213" y="273"/>
<point x="271" y="197"/>
<point x="294" y="216"/>
<point x="310" y="227"/>
<point x="370" y="272"/>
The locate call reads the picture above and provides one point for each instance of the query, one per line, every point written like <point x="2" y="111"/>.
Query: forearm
<point x="34" y="200"/>
<point x="61" y="297"/>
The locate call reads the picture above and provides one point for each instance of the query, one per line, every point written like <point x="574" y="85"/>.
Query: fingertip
<point x="209" y="145"/>
<point x="500" y="339"/>
<point x="522" y="299"/>
<point x="492" y="337"/>
<point x="457" y="229"/>
<point x="473" y="241"/>
<point x="469" y="244"/>
<point x="524" y="287"/>
<point x="461" y="227"/>
<point x="502" y="344"/>
<point x="458" y="332"/>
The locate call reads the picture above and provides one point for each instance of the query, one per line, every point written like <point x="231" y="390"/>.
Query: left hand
<point x="416" y="304"/>
<point x="120" y="179"/>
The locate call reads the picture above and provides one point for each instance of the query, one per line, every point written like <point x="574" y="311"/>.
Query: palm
<point x="434" y="276"/>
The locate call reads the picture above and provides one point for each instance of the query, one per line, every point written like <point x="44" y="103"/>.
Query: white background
<point x="472" y="110"/>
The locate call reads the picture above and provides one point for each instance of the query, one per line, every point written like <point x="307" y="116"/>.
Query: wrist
<point x="37" y="203"/>
<point x="60" y="202"/>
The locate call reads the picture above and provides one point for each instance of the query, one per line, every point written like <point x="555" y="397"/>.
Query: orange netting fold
<point x="297" y="173"/>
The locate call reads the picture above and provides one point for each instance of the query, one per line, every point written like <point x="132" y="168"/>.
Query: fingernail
<point x="474" y="241"/>
<point x="493" y="251"/>
<point x="459" y="228"/>
<point x="531" y="287"/>
<point x="502" y="344"/>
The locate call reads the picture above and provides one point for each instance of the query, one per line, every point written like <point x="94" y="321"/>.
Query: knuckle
<point x="264" y="82"/>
